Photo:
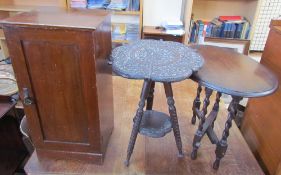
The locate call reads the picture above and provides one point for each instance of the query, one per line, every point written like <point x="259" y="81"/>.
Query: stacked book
<point x="118" y="31"/>
<point x="130" y="5"/>
<point x="133" y="5"/>
<point x="132" y="32"/>
<point x="118" y="5"/>
<point x="98" y="4"/>
<point x="128" y="32"/>
<point x="78" y="3"/>
<point x="235" y="27"/>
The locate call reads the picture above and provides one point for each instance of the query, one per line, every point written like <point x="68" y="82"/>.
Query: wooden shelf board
<point x="120" y="41"/>
<point x="126" y="12"/>
<point x="227" y="0"/>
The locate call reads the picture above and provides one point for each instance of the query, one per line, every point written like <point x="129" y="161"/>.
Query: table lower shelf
<point x="155" y="124"/>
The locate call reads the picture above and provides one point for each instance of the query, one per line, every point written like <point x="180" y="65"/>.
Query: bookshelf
<point x="124" y="18"/>
<point x="9" y="8"/>
<point x="206" y="10"/>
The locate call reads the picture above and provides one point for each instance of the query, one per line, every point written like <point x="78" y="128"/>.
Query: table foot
<point x="196" y="104"/>
<point x="193" y="154"/>
<point x="216" y="164"/>
<point x="173" y="114"/>
<point x="137" y="120"/>
<point x="126" y="163"/>
<point x="180" y="155"/>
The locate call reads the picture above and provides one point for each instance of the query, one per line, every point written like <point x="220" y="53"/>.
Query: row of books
<point x="236" y="27"/>
<point x="127" y="32"/>
<point x="130" y="5"/>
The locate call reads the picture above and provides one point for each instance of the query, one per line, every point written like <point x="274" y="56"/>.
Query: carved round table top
<point x="232" y="73"/>
<point x="160" y="61"/>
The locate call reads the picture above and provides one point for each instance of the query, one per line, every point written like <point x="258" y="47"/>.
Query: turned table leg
<point x="137" y="119"/>
<point x="173" y="114"/>
<point x="222" y="144"/>
<point x="199" y="133"/>
<point x="216" y="105"/>
<point x="150" y="96"/>
<point x="196" y="104"/>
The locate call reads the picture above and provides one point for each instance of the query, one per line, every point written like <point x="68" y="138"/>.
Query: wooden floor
<point x="157" y="156"/>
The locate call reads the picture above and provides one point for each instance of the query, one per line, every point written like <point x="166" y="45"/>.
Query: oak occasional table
<point x="232" y="73"/>
<point x="155" y="61"/>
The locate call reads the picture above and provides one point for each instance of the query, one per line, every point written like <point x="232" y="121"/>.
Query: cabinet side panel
<point x="104" y="79"/>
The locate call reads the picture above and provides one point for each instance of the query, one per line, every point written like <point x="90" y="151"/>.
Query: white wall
<point x="156" y="11"/>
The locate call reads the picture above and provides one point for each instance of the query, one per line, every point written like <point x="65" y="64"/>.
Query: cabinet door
<point x="56" y="69"/>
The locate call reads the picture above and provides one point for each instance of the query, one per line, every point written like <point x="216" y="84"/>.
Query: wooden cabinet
<point x="261" y="125"/>
<point x="64" y="80"/>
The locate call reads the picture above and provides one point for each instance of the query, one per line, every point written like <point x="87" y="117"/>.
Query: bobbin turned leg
<point x="150" y="97"/>
<point x="216" y="106"/>
<point x="199" y="133"/>
<point x="196" y="104"/>
<point x="222" y="144"/>
<point x="137" y="120"/>
<point x="174" y="118"/>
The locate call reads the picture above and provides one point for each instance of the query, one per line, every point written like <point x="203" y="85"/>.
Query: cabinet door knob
<point x="27" y="100"/>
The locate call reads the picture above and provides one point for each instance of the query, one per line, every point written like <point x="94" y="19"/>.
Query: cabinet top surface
<point x="233" y="73"/>
<point x="59" y="17"/>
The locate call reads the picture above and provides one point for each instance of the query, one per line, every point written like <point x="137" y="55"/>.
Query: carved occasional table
<point x="232" y="73"/>
<point x="155" y="61"/>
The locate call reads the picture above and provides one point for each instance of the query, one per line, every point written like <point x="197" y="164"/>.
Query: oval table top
<point x="232" y="73"/>
<point x="160" y="61"/>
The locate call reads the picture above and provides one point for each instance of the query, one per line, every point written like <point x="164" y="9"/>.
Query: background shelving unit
<point x="124" y="17"/>
<point x="15" y="6"/>
<point x="206" y="10"/>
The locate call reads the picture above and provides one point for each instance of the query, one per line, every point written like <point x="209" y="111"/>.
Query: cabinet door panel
<point x="58" y="68"/>
<point x="54" y="72"/>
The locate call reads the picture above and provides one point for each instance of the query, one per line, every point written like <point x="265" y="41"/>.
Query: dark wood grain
<point x="64" y="67"/>
<point x="59" y="18"/>
<point x="156" y="156"/>
<point x="235" y="74"/>
<point x="261" y="126"/>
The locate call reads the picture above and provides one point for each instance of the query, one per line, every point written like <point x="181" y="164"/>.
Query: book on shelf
<point x="236" y="27"/>
<point x="119" y="5"/>
<point x="98" y="4"/>
<point x="129" y="5"/>
<point x="78" y="3"/>
<point x="128" y="32"/>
